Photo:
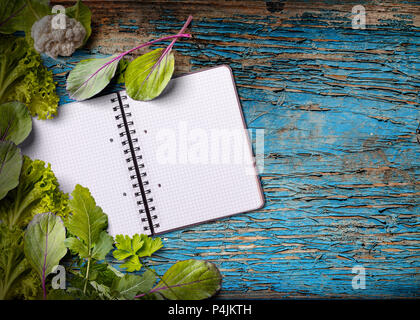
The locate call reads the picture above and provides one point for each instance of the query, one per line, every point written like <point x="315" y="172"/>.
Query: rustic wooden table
<point x="340" y="110"/>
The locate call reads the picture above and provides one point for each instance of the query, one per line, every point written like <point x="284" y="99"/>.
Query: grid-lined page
<point x="188" y="189"/>
<point x="84" y="147"/>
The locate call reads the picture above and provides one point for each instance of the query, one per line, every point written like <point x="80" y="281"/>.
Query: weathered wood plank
<point x="340" y="109"/>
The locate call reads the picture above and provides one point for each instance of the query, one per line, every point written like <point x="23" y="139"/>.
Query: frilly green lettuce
<point x="38" y="192"/>
<point x="17" y="279"/>
<point x="24" y="78"/>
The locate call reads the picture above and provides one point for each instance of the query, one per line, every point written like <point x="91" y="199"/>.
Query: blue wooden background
<point x="340" y="110"/>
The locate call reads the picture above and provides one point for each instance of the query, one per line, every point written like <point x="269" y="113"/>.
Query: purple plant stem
<point x="13" y="15"/>
<point x="164" y="288"/>
<point x="179" y="35"/>
<point x="44" y="290"/>
<point x="168" y="49"/>
<point x="185" y="26"/>
<point x="6" y="131"/>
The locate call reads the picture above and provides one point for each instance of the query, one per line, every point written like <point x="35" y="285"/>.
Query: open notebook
<point x="159" y="165"/>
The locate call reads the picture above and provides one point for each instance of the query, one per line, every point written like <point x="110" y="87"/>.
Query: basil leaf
<point x="81" y="13"/>
<point x="44" y="244"/>
<point x="149" y="74"/>
<point x="10" y="166"/>
<point x="189" y="280"/>
<point x="15" y="122"/>
<point x="91" y="76"/>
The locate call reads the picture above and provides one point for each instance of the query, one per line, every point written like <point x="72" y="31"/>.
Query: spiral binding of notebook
<point x="136" y="167"/>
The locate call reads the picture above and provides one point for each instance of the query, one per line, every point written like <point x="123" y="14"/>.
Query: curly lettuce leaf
<point x="24" y="78"/>
<point x="17" y="279"/>
<point x="38" y="192"/>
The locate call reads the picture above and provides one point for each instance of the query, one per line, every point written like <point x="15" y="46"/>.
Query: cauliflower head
<point x="54" y="42"/>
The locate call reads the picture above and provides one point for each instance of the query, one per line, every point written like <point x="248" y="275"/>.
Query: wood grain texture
<point x="340" y="109"/>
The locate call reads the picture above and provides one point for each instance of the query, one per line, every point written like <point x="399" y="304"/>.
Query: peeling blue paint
<point x="340" y="108"/>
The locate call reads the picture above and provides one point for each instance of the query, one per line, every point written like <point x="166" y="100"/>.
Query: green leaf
<point x="190" y="280"/>
<point x="87" y="225"/>
<point x="15" y="122"/>
<point x="132" y="249"/>
<point x="58" y="294"/>
<point x="102" y="291"/>
<point x="10" y="166"/>
<point x="17" y="278"/>
<point x="100" y="279"/>
<point x="102" y="273"/>
<point x="102" y="246"/>
<point x="132" y="264"/>
<point x="147" y="75"/>
<point x="44" y="244"/>
<point x="10" y="11"/>
<point x="120" y="73"/>
<point x="77" y="246"/>
<point x="81" y="13"/>
<point x="127" y="247"/>
<point x="24" y="78"/>
<point x="150" y="246"/>
<point x="33" y="11"/>
<point x="37" y="192"/>
<point x="87" y="220"/>
<point x="20" y="15"/>
<point x="90" y="77"/>
<point x="131" y="285"/>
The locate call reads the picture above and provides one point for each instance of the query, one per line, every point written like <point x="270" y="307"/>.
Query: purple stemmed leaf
<point x="148" y="75"/>
<point x="15" y="122"/>
<point x="188" y="280"/>
<point x="91" y="76"/>
<point x="11" y="9"/>
<point x="44" y="244"/>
